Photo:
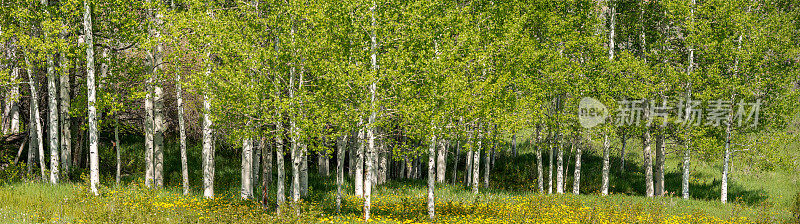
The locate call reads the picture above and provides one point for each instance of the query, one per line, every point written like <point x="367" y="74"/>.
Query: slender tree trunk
<point x="64" y="117"/>
<point x="303" y="170"/>
<point x="159" y="123"/>
<point x="476" y="164"/>
<point x="550" y="164"/>
<point x="726" y="159"/>
<point x="208" y="147"/>
<point x="11" y="124"/>
<point x="560" y="166"/>
<point x="606" y="165"/>
<point x="322" y="164"/>
<point x="359" y="173"/>
<point x="441" y="163"/>
<point x="340" y="147"/>
<point x="455" y="160"/>
<point x="539" y="168"/>
<point x="648" y="160"/>
<point x="658" y="180"/>
<point x="266" y="171"/>
<point x="514" y="144"/>
<point x="468" y="170"/>
<point x="373" y="113"/>
<point x="279" y="166"/>
<point x="247" y="168"/>
<point x="118" y="148"/>
<point x="182" y="133"/>
<point x="487" y="160"/>
<point x="35" y="127"/>
<point x="687" y="152"/>
<point x="256" y="168"/>
<point x="431" y="177"/>
<point x="576" y="184"/>
<point x="94" y="159"/>
<point x="53" y="119"/>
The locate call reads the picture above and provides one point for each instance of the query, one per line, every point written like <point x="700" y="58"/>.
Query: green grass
<point x="758" y="196"/>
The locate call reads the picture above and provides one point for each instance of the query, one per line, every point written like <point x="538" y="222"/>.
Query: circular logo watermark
<point x="591" y="112"/>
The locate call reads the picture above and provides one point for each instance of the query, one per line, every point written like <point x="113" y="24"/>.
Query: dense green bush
<point x="9" y="171"/>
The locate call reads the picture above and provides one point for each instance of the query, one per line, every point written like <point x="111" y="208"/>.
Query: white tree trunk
<point x="476" y="164"/>
<point x="606" y="166"/>
<point x="323" y="164"/>
<point x="182" y="133"/>
<point x="441" y="163"/>
<point x="94" y="159"/>
<point x="468" y="169"/>
<point x="117" y="147"/>
<point x="303" y="170"/>
<point x="487" y="161"/>
<point x="280" y="187"/>
<point x="35" y="127"/>
<point x="455" y="159"/>
<point x="340" y="148"/>
<point x="550" y="164"/>
<point x="432" y="177"/>
<point x="247" y="169"/>
<point x="359" y="173"/>
<point x="373" y="113"/>
<point x="648" y="160"/>
<point x="53" y="133"/>
<point x="687" y="151"/>
<point x="539" y="169"/>
<point x="560" y="167"/>
<point x="576" y="184"/>
<point x="64" y="117"/>
<point x="726" y="160"/>
<point x="208" y="144"/>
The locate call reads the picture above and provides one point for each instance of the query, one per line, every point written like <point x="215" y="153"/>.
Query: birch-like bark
<point x="606" y="166"/>
<point x="373" y="113"/>
<point x="539" y="169"/>
<point x="149" y="126"/>
<point x="94" y="159"/>
<point x="64" y="117"/>
<point x="247" y="169"/>
<point x="726" y="158"/>
<point x="280" y="188"/>
<point x="648" y="160"/>
<point x="550" y="164"/>
<point x="658" y="180"/>
<point x="441" y="163"/>
<point x="487" y="161"/>
<point x="468" y="169"/>
<point x="11" y="112"/>
<point x="35" y="127"/>
<point x="340" y="148"/>
<point x="431" y="177"/>
<point x="117" y="147"/>
<point x="53" y="133"/>
<point x="576" y="184"/>
<point x="359" y="173"/>
<point x="687" y="151"/>
<point x="476" y="163"/>
<point x="182" y="133"/>
<point x="560" y="166"/>
<point x="303" y="170"/>
<point x="266" y="171"/>
<point x="208" y="147"/>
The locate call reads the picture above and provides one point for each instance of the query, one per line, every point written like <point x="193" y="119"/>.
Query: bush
<point x="9" y="171"/>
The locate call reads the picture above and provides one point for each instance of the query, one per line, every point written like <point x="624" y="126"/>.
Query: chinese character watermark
<point x="592" y="112"/>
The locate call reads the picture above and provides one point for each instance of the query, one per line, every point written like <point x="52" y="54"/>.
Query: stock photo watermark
<point x="592" y="112"/>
